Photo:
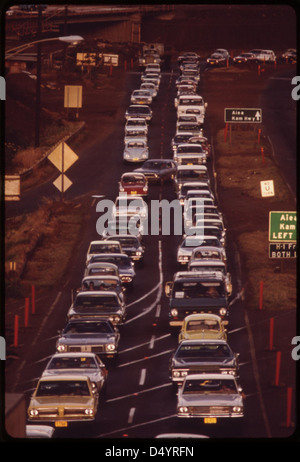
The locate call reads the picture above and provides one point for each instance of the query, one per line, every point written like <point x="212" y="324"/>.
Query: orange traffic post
<point x="277" y="369"/>
<point x="289" y="407"/>
<point x="259" y="133"/>
<point x="262" y="154"/>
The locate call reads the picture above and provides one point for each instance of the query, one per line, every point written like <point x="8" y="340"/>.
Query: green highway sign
<point x="282" y="226"/>
<point x="239" y="115"/>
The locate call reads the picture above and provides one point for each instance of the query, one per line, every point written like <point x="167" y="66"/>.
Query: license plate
<point x="133" y="192"/>
<point x="61" y="423"/>
<point x="210" y="420"/>
<point x="86" y="348"/>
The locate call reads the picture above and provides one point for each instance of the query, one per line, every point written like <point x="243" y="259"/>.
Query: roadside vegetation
<point x="244" y="158"/>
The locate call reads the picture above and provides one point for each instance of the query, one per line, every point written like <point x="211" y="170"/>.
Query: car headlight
<point x="174" y="312"/>
<point x="110" y="347"/>
<point x="183" y="409"/>
<point x="33" y="412"/>
<point x="61" y="348"/>
<point x="138" y="253"/>
<point x="222" y="311"/>
<point x="89" y="411"/>
<point x="237" y="409"/>
<point x="114" y="318"/>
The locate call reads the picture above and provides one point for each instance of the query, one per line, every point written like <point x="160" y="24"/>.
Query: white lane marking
<point x="146" y="358"/>
<point x="159" y="285"/>
<point x="143" y="344"/>
<point x="118" y="398"/>
<point x="144" y="296"/>
<point x="143" y="376"/>
<point x="158" y="308"/>
<point x="131" y="415"/>
<point x="151" y="344"/>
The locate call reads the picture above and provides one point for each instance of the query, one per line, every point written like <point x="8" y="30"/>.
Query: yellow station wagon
<point x="202" y="326"/>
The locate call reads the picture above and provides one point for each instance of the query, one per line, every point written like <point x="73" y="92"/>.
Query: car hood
<point x="93" y="375"/>
<point x="212" y="399"/>
<point x="202" y="335"/>
<point x="89" y="339"/>
<point x="65" y="401"/>
<point x="186" y="362"/>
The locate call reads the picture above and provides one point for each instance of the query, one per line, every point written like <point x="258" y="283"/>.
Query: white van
<point x="191" y="103"/>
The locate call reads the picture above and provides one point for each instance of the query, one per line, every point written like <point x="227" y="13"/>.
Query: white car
<point x="129" y="206"/>
<point x="136" y="122"/>
<point x="136" y="150"/>
<point x="100" y="246"/>
<point x="267" y="56"/>
<point x="190" y="154"/>
<point x="210" y="397"/>
<point x="141" y="97"/>
<point x="187" y="250"/>
<point x="150" y="87"/>
<point x="88" y="364"/>
<point x="135" y="133"/>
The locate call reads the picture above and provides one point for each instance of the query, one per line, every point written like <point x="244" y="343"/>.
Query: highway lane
<point x="140" y="401"/>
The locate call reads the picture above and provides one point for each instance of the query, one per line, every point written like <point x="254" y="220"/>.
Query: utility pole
<point x="38" y="79"/>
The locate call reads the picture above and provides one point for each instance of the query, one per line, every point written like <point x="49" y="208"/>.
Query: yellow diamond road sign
<point x="63" y="157"/>
<point x="62" y="183"/>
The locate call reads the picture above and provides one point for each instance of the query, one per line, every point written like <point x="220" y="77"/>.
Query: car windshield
<point x="84" y="327"/>
<point x="191" y="149"/>
<point x="95" y="301"/>
<point x="129" y="242"/>
<point x="203" y="350"/>
<point x="133" y="180"/>
<point x="75" y="362"/>
<point x="135" y="145"/>
<point x="104" y="248"/>
<point x="191" y="241"/>
<point x="121" y="262"/>
<point x="202" y="325"/>
<point x="140" y="110"/>
<point x="191" y="174"/>
<point x="205" y="386"/>
<point x="63" y="387"/>
<point x="100" y="284"/>
<point x="191" y="101"/>
<point x="198" y="289"/>
<point x="154" y="164"/>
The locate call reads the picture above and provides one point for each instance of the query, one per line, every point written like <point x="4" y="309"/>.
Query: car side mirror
<point x="168" y="288"/>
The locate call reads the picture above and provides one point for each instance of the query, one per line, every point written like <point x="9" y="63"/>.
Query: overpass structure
<point x="115" y="21"/>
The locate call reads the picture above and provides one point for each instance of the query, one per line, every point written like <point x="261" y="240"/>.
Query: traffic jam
<point x="204" y="369"/>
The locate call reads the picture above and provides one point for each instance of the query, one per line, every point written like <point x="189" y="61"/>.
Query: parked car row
<point x="203" y="370"/>
<point x="221" y="57"/>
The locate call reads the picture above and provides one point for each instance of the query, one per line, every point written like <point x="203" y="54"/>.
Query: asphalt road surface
<point x="140" y="402"/>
